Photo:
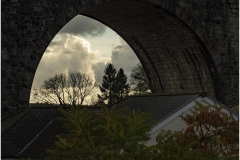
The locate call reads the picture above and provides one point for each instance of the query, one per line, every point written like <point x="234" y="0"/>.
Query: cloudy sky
<point x="84" y="45"/>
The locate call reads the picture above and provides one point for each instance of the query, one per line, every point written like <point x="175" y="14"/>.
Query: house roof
<point x="32" y="132"/>
<point x="46" y="139"/>
<point x="21" y="134"/>
<point x="158" y="105"/>
<point x="8" y="122"/>
<point x="162" y="106"/>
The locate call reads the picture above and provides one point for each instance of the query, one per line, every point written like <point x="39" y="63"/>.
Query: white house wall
<point x="174" y="122"/>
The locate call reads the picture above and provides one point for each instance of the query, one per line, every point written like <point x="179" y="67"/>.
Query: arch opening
<point x="174" y="58"/>
<point x="83" y="46"/>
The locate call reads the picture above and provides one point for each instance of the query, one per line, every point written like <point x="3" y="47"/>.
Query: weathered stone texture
<point x="184" y="46"/>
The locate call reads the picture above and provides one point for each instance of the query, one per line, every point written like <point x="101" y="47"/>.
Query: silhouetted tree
<point x="122" y="87"/>
<point x="114" y="86"/>
<point x="108" y="84"/>
<point x="61" y="89"/>
<point x="80" y="85"/>
<point x="52" y="90"/>
<point x="138" y="80"/>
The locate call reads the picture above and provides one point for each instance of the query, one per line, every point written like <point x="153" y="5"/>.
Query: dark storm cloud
<point x="84" y="26"/>
<point x="58" y="42"/>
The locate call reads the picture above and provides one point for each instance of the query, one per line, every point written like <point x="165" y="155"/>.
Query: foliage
<point x="112" y="134"/>
<point x="169" y="148"/>
<point x="106" y="134"/>
<point x="61" y="89"/>
<point x="235" y="108"/>
<point x="139" y="81"/>
<point x="114" y="86"/>
<point x="211" y="133"/>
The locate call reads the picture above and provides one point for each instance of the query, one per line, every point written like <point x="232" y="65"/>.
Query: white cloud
<point x="66" y="54"/>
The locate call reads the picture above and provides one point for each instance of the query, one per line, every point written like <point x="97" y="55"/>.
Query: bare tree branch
<point x="62" y="90"/>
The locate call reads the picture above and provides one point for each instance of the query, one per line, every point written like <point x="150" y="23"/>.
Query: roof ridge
<point x="15" y="113"/>
<point x="110" y="105"/>
<point x="14" y="123"/>
<point x="151" y="95"/>
<point x="170" y="94"/>
<point x="54" y="118"/>
<point x="190" y="100"/>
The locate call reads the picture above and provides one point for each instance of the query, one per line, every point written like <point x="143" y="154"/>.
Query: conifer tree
<point x="122" y="87"/>
<point x="114" y="86"/>
<point x="108" y="84"/>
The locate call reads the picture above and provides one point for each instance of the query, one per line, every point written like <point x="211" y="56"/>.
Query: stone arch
<point x="28" y="26"/>
<point x="152" y="56"/>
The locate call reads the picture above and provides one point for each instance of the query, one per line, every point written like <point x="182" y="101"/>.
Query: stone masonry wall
<point x="28" y="26"/>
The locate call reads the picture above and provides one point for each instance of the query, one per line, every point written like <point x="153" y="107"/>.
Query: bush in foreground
<point x="111" y="134"/>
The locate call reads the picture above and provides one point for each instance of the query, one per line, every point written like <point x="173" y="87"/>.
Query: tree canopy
<point x="63" y="90"/>
<point x="211" y="134"/>
<point x="106" y="134"/>
<point x="112" y="134"/>
<point x="114" y="86"/>
<point x="138" y="80"/>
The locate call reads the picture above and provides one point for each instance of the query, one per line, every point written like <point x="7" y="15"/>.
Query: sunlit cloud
<point x="68" y="54"/>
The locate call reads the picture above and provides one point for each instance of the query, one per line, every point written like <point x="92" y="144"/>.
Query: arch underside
<point x="171" y="54"/>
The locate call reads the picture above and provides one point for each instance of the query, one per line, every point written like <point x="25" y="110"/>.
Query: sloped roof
<point x="160" y="106"/>
<point x="33" y="133"/>
<point x="8" y="122"/>
<point x="20" y="135"/>
<point x="37" y="149"/>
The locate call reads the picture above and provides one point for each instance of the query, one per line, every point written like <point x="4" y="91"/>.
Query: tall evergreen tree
<point x="122" y="87"/>
<point x="108" y="84"/>
<point x="114" y="86"/>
